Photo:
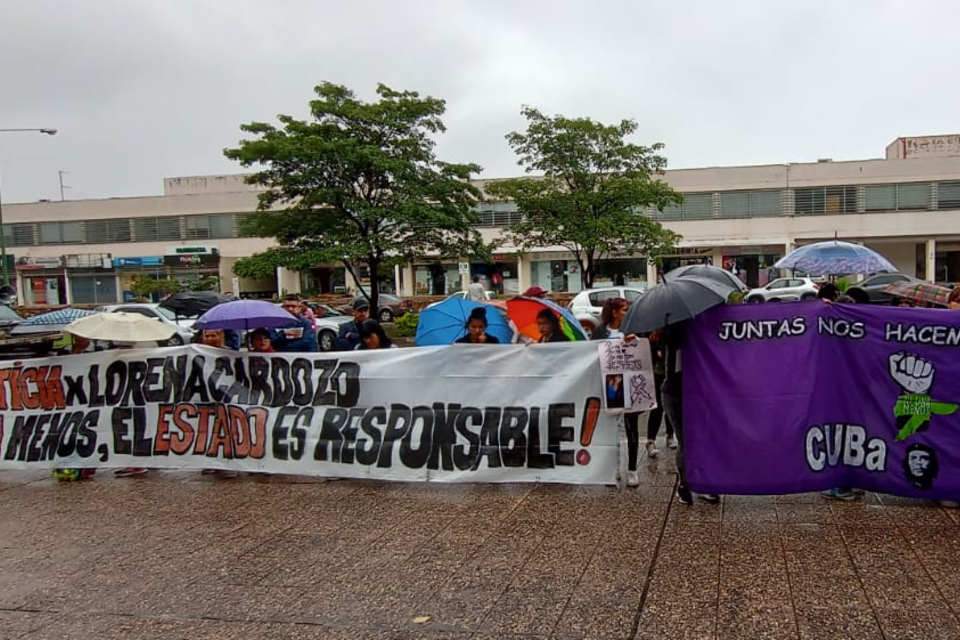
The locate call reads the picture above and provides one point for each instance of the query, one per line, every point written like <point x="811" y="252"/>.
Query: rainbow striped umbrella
<point x="523" y="311"/>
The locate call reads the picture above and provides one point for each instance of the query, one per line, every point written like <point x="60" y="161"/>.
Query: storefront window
<point x="630" y="272"/>
<point x="436" y="279"/>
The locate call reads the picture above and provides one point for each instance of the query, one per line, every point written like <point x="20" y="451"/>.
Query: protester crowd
<point x="366" y="333"/>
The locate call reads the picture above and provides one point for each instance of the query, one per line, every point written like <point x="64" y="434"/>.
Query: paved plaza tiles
<point x="175" y="554"/>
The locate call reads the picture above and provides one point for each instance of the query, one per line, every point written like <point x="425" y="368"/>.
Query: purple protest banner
<point x="795" y="397"/>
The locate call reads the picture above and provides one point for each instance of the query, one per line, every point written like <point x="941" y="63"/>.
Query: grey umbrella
<point x="709" y="272"/>
<point x="674" y="301"/>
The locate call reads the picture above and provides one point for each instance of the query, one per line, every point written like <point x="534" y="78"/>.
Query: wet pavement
<point x="180" y="555"/>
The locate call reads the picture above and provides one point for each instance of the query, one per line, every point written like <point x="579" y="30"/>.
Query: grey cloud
<point x="143" y="90"/>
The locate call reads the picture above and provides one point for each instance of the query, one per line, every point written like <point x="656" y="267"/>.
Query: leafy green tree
<point x="593" y="193"/>
<point x="144" y="286"/>
<point x="206" y="283"/>
<point x="357" y="183"/>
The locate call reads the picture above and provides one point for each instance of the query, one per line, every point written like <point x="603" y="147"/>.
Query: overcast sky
<point x="142" y="90"/>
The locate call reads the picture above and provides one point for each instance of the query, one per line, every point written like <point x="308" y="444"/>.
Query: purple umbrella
<point x="244" y="314"/>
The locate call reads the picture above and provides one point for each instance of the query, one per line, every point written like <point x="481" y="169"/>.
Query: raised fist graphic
<point x="913" y="373"/>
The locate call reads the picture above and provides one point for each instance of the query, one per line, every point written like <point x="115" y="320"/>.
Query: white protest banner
<point x="474" y="413"/>
<point x="626" y="372"/>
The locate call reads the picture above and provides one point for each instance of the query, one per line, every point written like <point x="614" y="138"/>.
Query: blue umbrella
<point x="446" y="322"/>
<point x="245" y="314"/>
<point x="50" y="321"/>
<point x="834" y="258"/>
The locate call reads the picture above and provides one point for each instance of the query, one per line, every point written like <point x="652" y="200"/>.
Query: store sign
<point x="192" y="260"/>
<point x="88" y="261"/>
<point x="203" y="249"/>
<point x="27" y="262"/>
<point x="142" y="261"/>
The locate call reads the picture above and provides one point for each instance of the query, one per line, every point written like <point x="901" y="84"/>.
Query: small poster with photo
<point x="626" y="372"/>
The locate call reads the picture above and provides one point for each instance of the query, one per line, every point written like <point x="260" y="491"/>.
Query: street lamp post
<point x="3" y="236"/>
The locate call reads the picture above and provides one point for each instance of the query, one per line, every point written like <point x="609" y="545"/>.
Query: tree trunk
<point x="356" y="278"/>
<point x="586" y="269"/>
<point x="373" y="265"/>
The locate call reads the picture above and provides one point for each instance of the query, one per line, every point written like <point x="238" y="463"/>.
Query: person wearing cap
<point x="536" y="292"/>
<point x="349" y="335"/>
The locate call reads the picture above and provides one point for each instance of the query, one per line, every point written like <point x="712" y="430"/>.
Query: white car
<point x="785" y="289"/>
<point x="487" y="295"/>
<point x="184" y="326"/>
<point x="587" y="304"/>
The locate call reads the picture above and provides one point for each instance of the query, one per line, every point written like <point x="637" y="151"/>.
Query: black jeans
<point x="673" y="409"/>
<point x="632" y="427"/>
<point x="657" y="415"/>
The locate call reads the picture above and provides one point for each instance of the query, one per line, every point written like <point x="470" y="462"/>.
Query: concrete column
<point x="397" y="281"/>
<point x="651" y="273"/>
<point x="465" y="278"/>
<point x="18" y="283"/>
<point x="287" y="281"/>
<point x="788" y="246"/>
<point x="409" y="281"/>
<point x="350" y="282"/>
<point x="524" y="276"/>
<point x="931" y="257"/>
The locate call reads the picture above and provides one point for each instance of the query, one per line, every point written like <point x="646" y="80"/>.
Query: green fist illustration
<point x="915" y="407"/>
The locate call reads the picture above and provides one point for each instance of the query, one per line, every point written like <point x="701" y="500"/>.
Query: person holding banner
<point x="549" y="326"/>
<point x="298" y="336"/>
<point x="372" y="336"/>
<point x="80" y="345"/>
<point x="476" y="327"/>
<point x="656" y="416"/>
<point x="348" y="338"/>
<point x="672" y="394"/>
<point x="611" y="317"/>
<point x="260" y="341"/>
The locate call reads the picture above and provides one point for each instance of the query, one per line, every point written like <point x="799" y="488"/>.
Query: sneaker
<point x="858" y="490"/>
<point x="684" y="496"/>
<point x="839" y="493"/>
<point x="949" y="504"/>
<point x="127" y="472"/>
<point x="711" y="498"/>
<point x="671" y="442"/>
<point x="633" y="479"/>
<point x="652" y="450"/>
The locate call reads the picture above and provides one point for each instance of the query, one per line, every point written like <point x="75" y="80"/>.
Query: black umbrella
<point x="709" y="272"/>
<point x="194" y="303"/>
<point x="674" y="301"/>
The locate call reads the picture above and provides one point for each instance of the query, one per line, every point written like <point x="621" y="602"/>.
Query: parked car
<point x="487" y="295"/>
<point x="874" y="285"/>
<point x="327" y="329"/>
<point x="184" y="326"/>
<point x="587" y="304"/>
<point x="785" y="289"/>
<point x="390" y="307"/>
<point x="321" y="310"/>
<point x="8" y="317"/>
<point x="327" y="323"/>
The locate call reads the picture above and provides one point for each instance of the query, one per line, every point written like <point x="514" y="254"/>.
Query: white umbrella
<point x="121" y="327"/>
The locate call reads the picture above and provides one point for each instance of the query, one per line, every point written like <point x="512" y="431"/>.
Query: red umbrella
<point x="919" y="292"/>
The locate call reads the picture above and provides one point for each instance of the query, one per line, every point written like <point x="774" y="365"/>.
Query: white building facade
<point x="906" y="206"/>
